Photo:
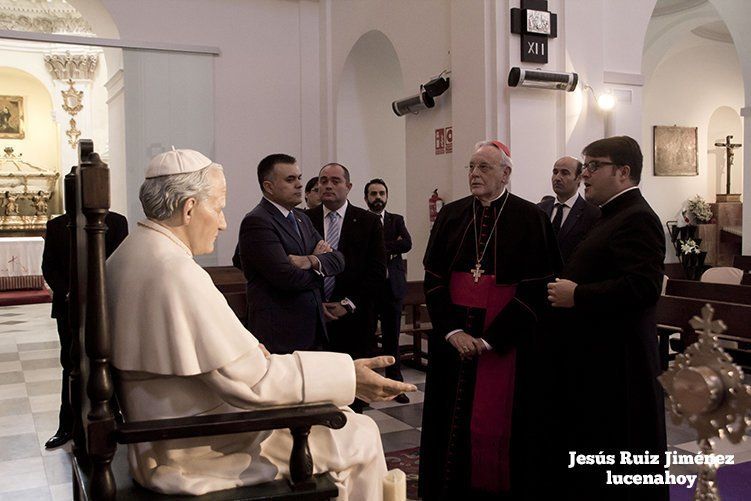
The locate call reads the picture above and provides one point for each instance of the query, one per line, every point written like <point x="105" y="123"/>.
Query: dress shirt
<point x="565" y="206"/>
<point x="341" y="211"/>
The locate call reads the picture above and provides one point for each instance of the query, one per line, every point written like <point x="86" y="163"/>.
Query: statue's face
<point x="207" y="217"/>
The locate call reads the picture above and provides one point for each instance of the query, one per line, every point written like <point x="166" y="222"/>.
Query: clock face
<point x="538" y="21"/>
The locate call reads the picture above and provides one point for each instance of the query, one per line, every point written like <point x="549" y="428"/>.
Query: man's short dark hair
<point x="622" y="150"/>
<point x="266" y="166"/>
<point x="346" y="171"/>
<point x="312" y="182"/>
<point x="377" y="180"/>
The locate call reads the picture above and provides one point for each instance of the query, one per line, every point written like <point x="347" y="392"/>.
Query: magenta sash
<point x="492" y="405"/>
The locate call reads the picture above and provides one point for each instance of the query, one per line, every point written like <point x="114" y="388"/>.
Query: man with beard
<point x="489" y="258"/>
<point x="607" y="297"/>
<point x="388" y="304"/>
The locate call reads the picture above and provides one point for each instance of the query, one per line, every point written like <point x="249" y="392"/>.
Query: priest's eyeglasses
<point x="593" y="165"/>
<point x="484" y="168"/>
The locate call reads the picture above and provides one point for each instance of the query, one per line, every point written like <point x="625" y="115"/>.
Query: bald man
<point x="571" y="215"/>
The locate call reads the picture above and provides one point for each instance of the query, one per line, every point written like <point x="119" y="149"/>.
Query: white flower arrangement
<point x="698" y="210"/>
<point x="689" y="246"/>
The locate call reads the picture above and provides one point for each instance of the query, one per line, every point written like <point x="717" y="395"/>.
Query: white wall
<point x="675" y="95"/>
<point x="370" y="137"/>
<point x="419" y="32"/>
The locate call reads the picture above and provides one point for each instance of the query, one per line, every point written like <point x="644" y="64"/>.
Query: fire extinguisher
<point x="435" y="204"/>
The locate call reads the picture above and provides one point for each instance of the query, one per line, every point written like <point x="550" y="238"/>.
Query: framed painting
<point x="675" y="152"/>
<point x="11" y="117"/>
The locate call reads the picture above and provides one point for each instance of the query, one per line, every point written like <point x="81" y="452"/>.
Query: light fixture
<point x="605" y="101"/>
<point x="423" y="99"/>
<point x="553" y="80"/>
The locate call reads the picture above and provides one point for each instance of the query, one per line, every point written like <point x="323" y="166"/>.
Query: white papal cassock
<point x="181" y="351"/>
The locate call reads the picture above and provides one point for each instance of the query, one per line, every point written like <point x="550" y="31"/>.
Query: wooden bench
<point x="743" y="263"/>
<point x="675" y="313"/>
<point x="709" y="291"/>
<point x="417" y="325"/>
<point x="100" y="471"/>
<point x="231" y="283"/>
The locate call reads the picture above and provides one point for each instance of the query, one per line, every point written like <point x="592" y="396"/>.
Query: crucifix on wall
<point x="729" y="154"/>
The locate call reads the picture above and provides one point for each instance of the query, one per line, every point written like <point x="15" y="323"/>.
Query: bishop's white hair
<point x="161" y="197"/>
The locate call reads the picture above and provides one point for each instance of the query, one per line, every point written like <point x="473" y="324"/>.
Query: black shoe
<point x="401" y="398"/>
<point x="60" y="437"/>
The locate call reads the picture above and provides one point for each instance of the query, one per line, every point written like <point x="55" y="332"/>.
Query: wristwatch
<point x="348" y="305"/>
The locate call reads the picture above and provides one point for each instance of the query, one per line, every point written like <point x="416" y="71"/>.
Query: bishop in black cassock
<point x="487" y="265"/>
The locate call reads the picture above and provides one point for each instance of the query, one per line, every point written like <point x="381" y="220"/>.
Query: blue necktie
<point x="293" y="223"/>
<point x="332" y="237"/>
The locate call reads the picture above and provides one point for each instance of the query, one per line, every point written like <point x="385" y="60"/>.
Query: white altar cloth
<point x="21" y="263"/>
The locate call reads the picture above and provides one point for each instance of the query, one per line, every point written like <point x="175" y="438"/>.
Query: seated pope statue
<point x="179" y="351"/>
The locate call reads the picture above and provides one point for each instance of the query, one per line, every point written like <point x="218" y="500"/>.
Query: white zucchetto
<point x="176" y="162"/>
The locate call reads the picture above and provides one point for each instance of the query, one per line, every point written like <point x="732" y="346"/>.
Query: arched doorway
<point x="370" y="139"/>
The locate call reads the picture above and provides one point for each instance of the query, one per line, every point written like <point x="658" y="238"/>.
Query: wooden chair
<point x="231" y="283"/>
<point x="100" y="469"/>
<point x="416" y="324"/>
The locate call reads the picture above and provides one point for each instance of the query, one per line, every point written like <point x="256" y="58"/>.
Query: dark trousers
<point x="389" y="311"/>
<point x="66" y="340"/>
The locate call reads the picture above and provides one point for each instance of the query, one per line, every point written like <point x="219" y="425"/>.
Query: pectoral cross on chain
<point x="477" y="272"/>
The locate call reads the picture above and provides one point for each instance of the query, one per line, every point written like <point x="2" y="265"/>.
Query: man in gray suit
<point x="284" y="260"/>
<point x="571" y="215"/>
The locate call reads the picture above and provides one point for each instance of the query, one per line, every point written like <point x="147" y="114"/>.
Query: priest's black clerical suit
<point x="522" y="253"/>
<point x="611" y="346"/>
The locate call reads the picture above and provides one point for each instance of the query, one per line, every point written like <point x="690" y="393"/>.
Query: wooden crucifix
<point x="729" y="147"/>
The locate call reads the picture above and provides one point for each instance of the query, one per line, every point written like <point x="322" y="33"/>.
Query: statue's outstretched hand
<point x="371" y="386"/>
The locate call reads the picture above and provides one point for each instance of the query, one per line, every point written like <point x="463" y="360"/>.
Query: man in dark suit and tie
<point x="56" y="271"/>
<point x="285" y="261"/>
<point x="388" y="304"/>
<point x="357" y="234"/>
<point x="572" y="216"/>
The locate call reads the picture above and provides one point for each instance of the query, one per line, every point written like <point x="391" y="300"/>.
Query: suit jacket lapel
<point x="283" y="223"/>
<point x="573" y="216"/>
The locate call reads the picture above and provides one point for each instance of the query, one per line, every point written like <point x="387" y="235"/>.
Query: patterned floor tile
<point x="62" y="492"/>
<point x="12" y="391"/>
<point x="410" y="414"/>
<point x="58" y="469"/>
<point x="14" y="406"/>
<point x="12" y="366"/>
<point x="47" y="345"/>
<point x="18" y="447"/>
<point x="11" y="377"/>
<point x="42" y="375"/>
<point x="36" y="494"/>
<point x="43" y="388"/>
<point x="22" y="475"/>
<point x="43" y="363"/>
<point x="8" y="357"/>
<point x="46" y="421"/>
<point x="44" y="403"/>
<point x="16" y="425"/>
<point x="399" y="440"/>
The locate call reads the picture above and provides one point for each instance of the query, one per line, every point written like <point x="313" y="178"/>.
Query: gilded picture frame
<point x="11" y="117"/>
<point x="675" y="151"/>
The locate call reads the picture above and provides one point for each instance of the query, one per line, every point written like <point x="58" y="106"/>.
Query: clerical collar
<point x="618" y="195"/>
<point x="570" y="202"/>
<point x="285" y="212"/>
<point x="496" y="199"/>
<point x="341" y="210"/>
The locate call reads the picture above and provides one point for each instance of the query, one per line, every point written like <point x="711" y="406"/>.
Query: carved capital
<point x="69" y="66"/>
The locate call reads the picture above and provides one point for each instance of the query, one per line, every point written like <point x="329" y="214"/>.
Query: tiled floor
<point x="29" y="400"/>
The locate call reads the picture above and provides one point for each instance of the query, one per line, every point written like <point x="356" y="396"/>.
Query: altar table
<point x="21" y="263"/>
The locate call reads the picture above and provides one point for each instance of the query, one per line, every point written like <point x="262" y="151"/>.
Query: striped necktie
<point x="332" y="237"/>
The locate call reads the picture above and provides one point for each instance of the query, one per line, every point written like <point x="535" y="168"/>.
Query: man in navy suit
<point x="571" y="215"/>
<point x="388" y="304"/>
<point x="285" y="261"/>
